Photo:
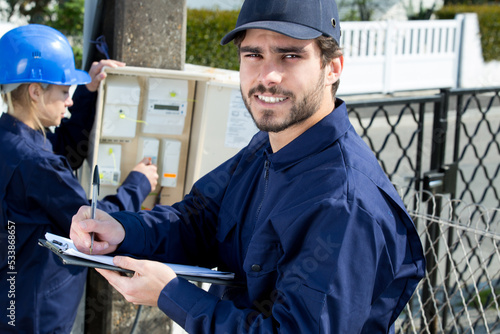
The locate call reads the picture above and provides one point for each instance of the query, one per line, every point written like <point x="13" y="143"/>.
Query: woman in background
<point x="38" y="294"/>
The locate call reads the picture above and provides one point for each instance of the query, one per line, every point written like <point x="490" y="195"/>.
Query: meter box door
<point x="148" y="147"/>
<point x="109" y="160"/>
<point x="166" y="106"/>
<point x="121" y="107"/>
<point x="148" y="113"/>
<point x="222" y="126"/>
<point x="170" y="162"/>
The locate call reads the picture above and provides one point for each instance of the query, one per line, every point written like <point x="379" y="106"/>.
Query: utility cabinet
<point x="143" y="113"/>
<point x="186" y="122"/>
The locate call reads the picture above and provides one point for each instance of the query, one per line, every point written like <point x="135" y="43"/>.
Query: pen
<point x="95" y="193"/>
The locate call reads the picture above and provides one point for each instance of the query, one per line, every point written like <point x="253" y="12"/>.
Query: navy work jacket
<point x="39" y="193"/>
<point x="316" y="232"/>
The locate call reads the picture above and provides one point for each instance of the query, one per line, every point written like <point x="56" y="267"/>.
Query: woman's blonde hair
<point x="21" y="97"/>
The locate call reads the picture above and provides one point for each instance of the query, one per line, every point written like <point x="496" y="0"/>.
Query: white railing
<point x="389" y="56"/>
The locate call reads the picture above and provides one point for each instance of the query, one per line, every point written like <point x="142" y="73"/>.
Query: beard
<point x="298" y="113"/>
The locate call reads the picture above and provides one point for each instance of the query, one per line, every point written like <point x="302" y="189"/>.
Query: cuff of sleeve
<point x="178" y="297"/>
<point x="139" y="179"/>
<point x="135" y="238"/>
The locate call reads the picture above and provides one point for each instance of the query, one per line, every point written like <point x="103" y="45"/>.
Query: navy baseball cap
<point x="300" y="19"/>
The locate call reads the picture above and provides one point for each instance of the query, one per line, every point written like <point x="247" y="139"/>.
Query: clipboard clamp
<point x="54" y="245"/>
<point x="62" y="246"/>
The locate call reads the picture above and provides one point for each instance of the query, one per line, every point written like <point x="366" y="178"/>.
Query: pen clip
<point x="96" y="182"/>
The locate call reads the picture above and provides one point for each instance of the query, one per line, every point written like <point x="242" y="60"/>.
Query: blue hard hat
<point x="38" y="53"/>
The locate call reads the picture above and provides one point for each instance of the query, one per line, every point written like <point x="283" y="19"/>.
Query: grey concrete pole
<point x="150" y="33"/>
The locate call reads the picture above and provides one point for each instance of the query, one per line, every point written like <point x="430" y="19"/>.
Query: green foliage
<point x="37" y="11"/>
<point x="350" y="15"/>
<point x="205" y="29"/>
<point x="469" y="2"/>
<point x="489" y="25"/>
<point x="78" y="52"/>
<point x="68" y="17"/>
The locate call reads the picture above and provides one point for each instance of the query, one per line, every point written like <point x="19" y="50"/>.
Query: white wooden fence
<point x="389" y="56"/>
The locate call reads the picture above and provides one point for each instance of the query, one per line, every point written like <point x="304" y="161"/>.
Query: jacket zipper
<point x="266" y="180"/>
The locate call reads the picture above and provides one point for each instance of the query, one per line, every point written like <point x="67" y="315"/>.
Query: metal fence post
<point x="434" y="183"/>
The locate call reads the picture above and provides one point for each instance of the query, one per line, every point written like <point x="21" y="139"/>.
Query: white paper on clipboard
<point x="67" y="247"/>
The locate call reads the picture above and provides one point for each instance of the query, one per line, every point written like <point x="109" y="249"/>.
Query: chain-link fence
<point x="461" y="290"/>
<point x="453" y="136"/>
<point x="444" y="151"/>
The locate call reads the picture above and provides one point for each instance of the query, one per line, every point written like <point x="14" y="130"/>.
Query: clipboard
<point x="58" y="247"/>
<point x="76" y="261"/>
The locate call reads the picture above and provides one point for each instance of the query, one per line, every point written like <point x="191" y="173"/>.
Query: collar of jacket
<point x="11" y="124"/>
<point x="314" y="140"/>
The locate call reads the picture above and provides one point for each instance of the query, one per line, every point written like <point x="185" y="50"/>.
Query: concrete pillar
<point x="150" y="33"/>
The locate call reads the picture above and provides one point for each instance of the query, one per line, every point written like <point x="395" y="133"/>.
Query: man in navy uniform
<point x="304" y="215"/>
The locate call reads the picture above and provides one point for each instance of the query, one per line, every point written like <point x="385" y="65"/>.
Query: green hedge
<point x="489" y="25"/>
<point x="205" y="29"/>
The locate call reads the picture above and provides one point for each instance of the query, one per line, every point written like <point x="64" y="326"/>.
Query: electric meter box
<point x="148" y="113"/>
<point x="148" y="148"/>
<point x="166" y="106"/>
<point x="119" y="121"/>
<point x="170" y="162"/>
<point x="109" y="164"/>
<point x="186" y="122"/>
<point x="222" y="126"/>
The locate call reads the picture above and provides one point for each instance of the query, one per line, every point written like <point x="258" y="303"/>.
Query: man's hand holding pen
<point x="109" y="233"/>
<point x="150" y="276"/>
